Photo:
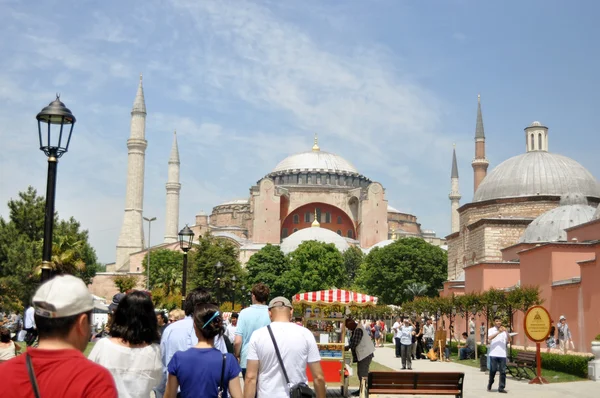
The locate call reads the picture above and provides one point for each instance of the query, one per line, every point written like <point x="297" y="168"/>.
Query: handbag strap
<point x="221" y="384"/>
<point x="278" y="354"/>
<point x="32" y="379"/>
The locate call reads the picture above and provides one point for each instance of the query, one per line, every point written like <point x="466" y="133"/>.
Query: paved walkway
<point x="476" y="381"/>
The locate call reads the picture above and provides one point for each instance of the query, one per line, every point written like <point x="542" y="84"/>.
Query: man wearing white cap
<point x="57" y="368"/>
<point x="295" y="346"/>
<point x="564" y="334"/>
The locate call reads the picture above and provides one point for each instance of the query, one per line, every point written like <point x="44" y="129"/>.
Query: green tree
<point x="166" y="270"/>
<point x="202" y="259"/>
<point x="353" y="258"/>
<point x="388" y="271"/>
<point x="416" y="289"/>
<point x="21" y="239"/>
<point x="268" y="266"/>
<point x="314" y="266"/>
<point x="125" y="282"/>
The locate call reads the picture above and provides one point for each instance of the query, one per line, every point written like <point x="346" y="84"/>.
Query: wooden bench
<point x="416" y="383"/>
<point x="523" y="362"/>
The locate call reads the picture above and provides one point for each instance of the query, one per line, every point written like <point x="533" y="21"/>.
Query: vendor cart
<point x="324" y="314"/>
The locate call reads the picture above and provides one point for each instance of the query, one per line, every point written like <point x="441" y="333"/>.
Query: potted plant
<point x="596" y="347"/>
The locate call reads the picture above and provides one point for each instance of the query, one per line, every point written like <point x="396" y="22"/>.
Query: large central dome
<point x="315" y="161"/>
<point x="537" y="173"/>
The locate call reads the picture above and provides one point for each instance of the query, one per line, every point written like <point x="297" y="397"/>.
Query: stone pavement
<point x="476" y="381"/>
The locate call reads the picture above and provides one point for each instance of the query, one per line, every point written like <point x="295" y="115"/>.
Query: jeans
<point x="405" y="352"/>
<point x="464" y="353"/>
<point x="397" y="342"/>
<point x="498" y="364"/>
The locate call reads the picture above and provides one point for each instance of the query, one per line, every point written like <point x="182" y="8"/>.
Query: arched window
<point x="318" y="211"/>
<point x="350" y="234"/>
<point x="339" y="232"/>
<point x="327" y="217"/>
<point x="532" y="142"/>
<point x="307" y="216"/>
<point x="284" y="233"/>
<point x="339" y="219"/>
<point x="540" y="141"/>
<point x="296" y="219"/>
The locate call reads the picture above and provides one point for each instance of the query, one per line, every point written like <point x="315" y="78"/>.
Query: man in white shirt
<point x="29" y="326"/>
<point x="230" y="331"/>
<point x="428" y="334"/>
<point x="396" y="329"/>
<point x="498" y="337"/>
<point x="297" y="347"/>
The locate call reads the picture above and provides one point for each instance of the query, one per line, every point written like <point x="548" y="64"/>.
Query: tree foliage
<point x="21" y="240"/>
<point x="268" y="266"/>
<point x="125" y="282"/>
<point x="166" y="270"/>
<point x="353" y="258"/>
<point x="388" y="271"/>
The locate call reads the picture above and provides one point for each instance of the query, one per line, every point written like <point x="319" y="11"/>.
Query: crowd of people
<point x="193" y="353"/>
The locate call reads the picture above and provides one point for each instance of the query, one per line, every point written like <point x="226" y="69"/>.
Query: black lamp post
<point x="186" y="237"/>
<point x="233" y="280"/>
<point x="54" y="145"/>
<point x="219" y="272"/>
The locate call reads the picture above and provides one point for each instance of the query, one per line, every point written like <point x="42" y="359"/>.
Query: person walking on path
<point x="203" y="370"/>
<point x="362" y="350"/>
<point x="296" y="348"/>
<point x="564" y="334"/>
<point x="131" y="353"/>
<point x="498" y="338"/>
<point x="57" y="368"/>
<point x="396" y="330"/>
<point x="407" y="331"/>
<point x="250" y="319"/>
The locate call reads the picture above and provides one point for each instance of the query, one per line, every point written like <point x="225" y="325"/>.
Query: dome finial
<point x="315" y="223"/>
<point x="315" y="147"/>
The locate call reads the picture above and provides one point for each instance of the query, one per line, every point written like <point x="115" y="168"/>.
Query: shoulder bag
<point x="221" y="383"/>
<point x="300" y="390"/>
<point x="32" y="379"/>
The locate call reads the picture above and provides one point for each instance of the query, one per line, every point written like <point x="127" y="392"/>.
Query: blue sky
<point x="389" y="85"/>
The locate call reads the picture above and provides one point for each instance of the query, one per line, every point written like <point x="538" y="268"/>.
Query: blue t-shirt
<point x="252" y="318"/>
<point x="198" y="371"/>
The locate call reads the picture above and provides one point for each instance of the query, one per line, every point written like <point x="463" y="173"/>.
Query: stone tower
<point x="454" y="193"/>
<point x="131" y="238"/>
<point x="480" y="163"/>
<point x="173" y="188"/>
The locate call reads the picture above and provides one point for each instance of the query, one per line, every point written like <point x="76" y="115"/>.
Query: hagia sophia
<point x="533" y="221"/>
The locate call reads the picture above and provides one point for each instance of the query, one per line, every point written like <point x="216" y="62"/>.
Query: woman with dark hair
<point x="129" y="353"/>
<point x="203" y="371"/>
<point x="8" y="349"/>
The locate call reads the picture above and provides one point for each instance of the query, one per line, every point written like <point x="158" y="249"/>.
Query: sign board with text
<point x="537" y="323"/>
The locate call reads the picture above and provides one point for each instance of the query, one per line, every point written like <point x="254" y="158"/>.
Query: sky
<point x="388" y="85"/>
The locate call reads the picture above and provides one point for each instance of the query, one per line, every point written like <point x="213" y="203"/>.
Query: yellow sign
<point x="537" y="323"/>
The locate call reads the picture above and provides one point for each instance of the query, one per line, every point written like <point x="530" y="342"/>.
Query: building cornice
<point x="499" y="221"/>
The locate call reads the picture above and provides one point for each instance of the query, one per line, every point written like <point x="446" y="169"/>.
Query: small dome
<point x="315" y="160"/>
<point x="573" y="199"/>
<point x="537" y="173"/>
<point x="535" y="124"/>
<point x="292" y="242"/>
<point x="381" y="244"/>
<point x="550" y="226"/>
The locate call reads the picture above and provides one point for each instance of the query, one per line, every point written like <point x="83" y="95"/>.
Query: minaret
<point x="131" y="238"/>
<point x="173" y="188"/>
<point x="454" y="193"/>
<point x="480" y="163"/>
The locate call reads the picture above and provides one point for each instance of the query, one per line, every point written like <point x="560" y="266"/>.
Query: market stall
<point x="324" y="314"/>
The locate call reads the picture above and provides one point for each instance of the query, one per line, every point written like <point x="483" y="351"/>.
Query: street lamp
<point x="233" y="280"/>
<point x="218" y="272"/>
<point x="186" y="237"/>
<point x="149" y="246"/>
<point x="56" y="113"/>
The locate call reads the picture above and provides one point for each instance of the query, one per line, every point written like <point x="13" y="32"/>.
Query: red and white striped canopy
<point x="335" y="296"/>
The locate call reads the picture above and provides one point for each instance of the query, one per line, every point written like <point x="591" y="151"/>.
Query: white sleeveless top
<point x="8" y="352"/>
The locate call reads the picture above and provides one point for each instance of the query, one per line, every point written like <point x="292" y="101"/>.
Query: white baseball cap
<point x="62" y="296"/>
<point x="561" y="318"/>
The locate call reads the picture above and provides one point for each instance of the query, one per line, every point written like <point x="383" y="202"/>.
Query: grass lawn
<point x="550" y="375"/>
<point x="374" y="366"/>
<point x="86" y="352"/>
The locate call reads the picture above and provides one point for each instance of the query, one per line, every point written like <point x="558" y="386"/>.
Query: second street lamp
<point x="54" y="145"/>
<point x="186" y="238"/>
<point x="233" y="280"/>
<point x="219" y="273"/>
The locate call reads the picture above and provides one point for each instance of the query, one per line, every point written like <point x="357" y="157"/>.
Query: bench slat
<point x="410" y="391"/>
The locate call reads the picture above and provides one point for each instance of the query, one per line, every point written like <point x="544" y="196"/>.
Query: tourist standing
<point x="202" y="370"/>
<point x="63" y="317"/>
<point x="550" y="341"/>
<point x="232" y="327"/>
<point x="472" y="325"/>
<point x="362" y="350"/>
<point x="498" y="338"/>
<point x="252" y="318"/>
<point x="407" y="331"/>
<point x="180" y="336"/>
<point x="130" y="353"/>
<point x="428" y="334"/>
<point x="297" y="348"/>
<point x="482" y="333"/>
<point x="564" y="334"/>
<point x="396" y="330"/>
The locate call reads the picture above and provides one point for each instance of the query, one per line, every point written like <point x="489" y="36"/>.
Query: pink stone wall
<point x="103" y="284"/>
<point x="373" y="224"/>
<point x="590" y="303"/>
<point x="266" y="223"/>
<point x="585" y="232"/>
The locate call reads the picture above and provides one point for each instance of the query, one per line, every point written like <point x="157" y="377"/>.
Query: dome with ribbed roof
<point x="315" y="161"/>
<point x="537" y="173"/>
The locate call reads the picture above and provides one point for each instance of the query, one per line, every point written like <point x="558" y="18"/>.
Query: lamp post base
<point x="538" y="380"/>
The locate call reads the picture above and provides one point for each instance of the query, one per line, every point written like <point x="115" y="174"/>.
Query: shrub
<point x="389" y="338"/>
<point x="575" y="365"/>
<point x="597" y="338"/>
